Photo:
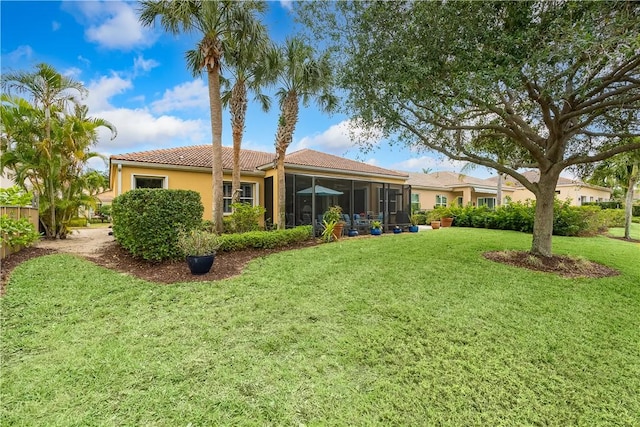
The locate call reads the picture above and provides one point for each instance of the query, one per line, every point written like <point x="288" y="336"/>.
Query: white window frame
<point x="441" y="200"/>
<point x="165" y="179"/>
<point x="253" y="199"/>
<point x="484" y="202"/>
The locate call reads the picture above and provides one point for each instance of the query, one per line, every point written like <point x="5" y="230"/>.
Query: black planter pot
<point x="200" y="264"/>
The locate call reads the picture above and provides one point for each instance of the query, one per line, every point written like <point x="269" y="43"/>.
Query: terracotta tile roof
<point x="534" y="176"/>
<point x="198" y="156"/>
<point x="445" y="180"/>
<point x="317" y="159"/>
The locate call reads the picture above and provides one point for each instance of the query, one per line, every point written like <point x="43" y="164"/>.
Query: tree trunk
<point x="286" y="126"/>
<point x="238" y="113"/>
<point x="213" y="73"/>
<point x="499" y="190"/>
<point x="543" y="221"/>
<point x="634" y="176"/>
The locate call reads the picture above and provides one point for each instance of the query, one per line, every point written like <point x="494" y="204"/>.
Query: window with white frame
<point x="489" y="202"/>
<point x="149" y="181"/>
<point x="415" y="202"/>
<point x="441" y="200"/>
<point x="246" y="195"/>
<point x="459" y="201"/>
<point x="392" y="195"/>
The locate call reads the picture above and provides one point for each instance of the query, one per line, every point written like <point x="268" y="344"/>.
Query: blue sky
<point x="137" y="79"/>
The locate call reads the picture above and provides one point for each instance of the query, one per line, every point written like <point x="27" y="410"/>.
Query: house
<point x="443" y="188"/>
<point x="431" y="190"/>
<point x="575" y="190"/>
<point x="314" y="182"/>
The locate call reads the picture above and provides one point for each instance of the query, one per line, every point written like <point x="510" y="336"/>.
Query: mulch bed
<point x="564" y="266"/>
<point x="227" y="264"/>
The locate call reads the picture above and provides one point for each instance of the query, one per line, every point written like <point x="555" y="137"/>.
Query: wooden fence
<point x="17" y="212"/>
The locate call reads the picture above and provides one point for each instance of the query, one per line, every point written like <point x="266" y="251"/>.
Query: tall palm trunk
<point x="286" y="126"/>
<point x="238" y="113"/>
<point x="213" y="74"/>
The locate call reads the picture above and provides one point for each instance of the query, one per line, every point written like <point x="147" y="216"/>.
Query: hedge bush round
<point x="146" y="221"/>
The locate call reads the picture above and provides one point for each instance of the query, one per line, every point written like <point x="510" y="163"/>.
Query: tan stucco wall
<point x="572" y="192"/>
<point x="199" y="181"/>
<point x="427" y="198"/>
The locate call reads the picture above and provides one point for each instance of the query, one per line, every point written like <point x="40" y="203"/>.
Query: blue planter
<point x="414" y="228"/>
<point x="397" y="230"/>
<point x="200" y="264"/>
<point x="353" y="232"/>
<point x="376" y="231"/>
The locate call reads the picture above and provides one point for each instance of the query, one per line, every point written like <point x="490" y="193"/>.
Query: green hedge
<point x="146" y="221"/>
<point x="519" y="216"/>
<point x="265" y="239"/>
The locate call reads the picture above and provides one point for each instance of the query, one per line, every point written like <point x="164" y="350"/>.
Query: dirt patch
<point x="564" y="266"/>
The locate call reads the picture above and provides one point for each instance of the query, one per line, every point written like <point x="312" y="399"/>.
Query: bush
<point x="146" y="221"/>
<point x="77" y="222"/>
<point x="17" y="232"/>
<point x="245" y="217"/>
<point x="635" y="210"/>
<point x="265" y="239"/>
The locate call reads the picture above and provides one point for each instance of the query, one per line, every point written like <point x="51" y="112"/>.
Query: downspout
<point x="119" y="179"/>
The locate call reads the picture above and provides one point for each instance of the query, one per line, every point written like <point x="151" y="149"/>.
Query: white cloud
<point x="138" y="129"/>
<point x="72" y="72"/>
<point x="438" y="163"/>
<point x="55" y="25"/>
<point x="24" y="52"/>
<point x="337" y="139"/>
<point x="84" y="60"/>
<point x="145" y="65"/>
<point x="188" y="95"/>
<point x="287" y="4"/>
<point x="111" y="24"/>
<point x="102" y="90"/>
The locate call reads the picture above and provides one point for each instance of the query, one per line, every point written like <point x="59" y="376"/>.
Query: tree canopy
<point x="507" y="85"/>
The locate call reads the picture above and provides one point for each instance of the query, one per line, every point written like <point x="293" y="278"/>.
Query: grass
<point x="410" y="329"/>
<point x="634" y="231"/>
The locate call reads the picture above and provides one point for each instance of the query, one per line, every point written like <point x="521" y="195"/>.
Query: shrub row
<point x="146" y="221"/>
<point x="265" y="239"/>
<point x="519" y="216"/>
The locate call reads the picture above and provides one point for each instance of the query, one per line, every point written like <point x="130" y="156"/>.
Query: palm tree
<point x="48" y="90"/>
<point x="218" y="22"/>
<point x="621" y="171"/>
<point x="251" y="59"/>
<point x="301" y="76"/>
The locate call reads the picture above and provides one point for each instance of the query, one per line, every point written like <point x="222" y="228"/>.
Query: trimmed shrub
<point x="146" y="221"/>
<point x="245" y="217"/>
<point x="265" y="239"/>
<point x="77" y="222"/>
<point x="635" y="210"/>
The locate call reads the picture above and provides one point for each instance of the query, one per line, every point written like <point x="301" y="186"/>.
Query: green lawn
<point x="634" y="232"/>
<point x="410" y="329"/>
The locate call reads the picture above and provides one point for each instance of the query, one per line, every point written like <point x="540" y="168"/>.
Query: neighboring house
<point x="430" y="190"/>
<point x="314" y="182"/>
<point x="575" y="190"/>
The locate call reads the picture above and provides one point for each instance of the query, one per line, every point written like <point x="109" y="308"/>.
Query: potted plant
<point x="334" y="216"/>
<point x="376" y="228"/>
<point x="433" y="217"/>
<point x="199" y="247"/>
<point x="445" y="216"/>
<point x="414" y="218"/>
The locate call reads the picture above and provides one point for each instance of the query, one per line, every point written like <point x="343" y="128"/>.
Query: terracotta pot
<point x="337" y="230"/>
<point x="446" y="222"/>
<point x="435" y="224"/>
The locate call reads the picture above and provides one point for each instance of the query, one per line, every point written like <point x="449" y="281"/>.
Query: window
<point x="415" y="202"/>
<point x="459" y="201"/>
<point x="246" y="196"/>
<point x="141" y="181"/>
<point x="489" y="202"/>
<point x="393" y="194"/>
<point x="441" y="200"/>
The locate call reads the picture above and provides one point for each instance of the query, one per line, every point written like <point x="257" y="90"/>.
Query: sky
<point x="137" y="79"/>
